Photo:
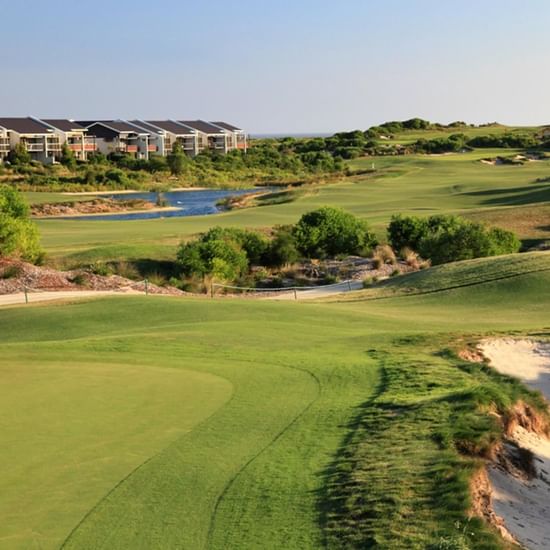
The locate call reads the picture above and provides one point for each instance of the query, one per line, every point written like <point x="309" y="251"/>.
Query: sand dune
<point x="524" y="504"/>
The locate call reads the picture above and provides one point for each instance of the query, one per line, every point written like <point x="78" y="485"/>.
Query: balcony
<point x="152" y="148"/>
<point x="34" y="147"/>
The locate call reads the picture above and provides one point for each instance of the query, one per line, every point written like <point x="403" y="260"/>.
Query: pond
<point x="201" y="202"/>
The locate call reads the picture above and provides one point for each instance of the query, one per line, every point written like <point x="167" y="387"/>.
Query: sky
<point x="278" y="66"/>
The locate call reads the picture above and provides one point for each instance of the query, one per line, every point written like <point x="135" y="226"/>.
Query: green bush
<point x="224" y="253"/>
<point x="446" y="238"/>
<point x="330" y="231"/>
<point x="18" y="234"/>
<point x="282" y="248"/>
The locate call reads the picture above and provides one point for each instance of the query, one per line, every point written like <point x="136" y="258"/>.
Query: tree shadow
<point x="513" y="196"/>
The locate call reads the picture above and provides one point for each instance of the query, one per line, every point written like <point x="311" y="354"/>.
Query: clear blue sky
<point x="278" y="65"/>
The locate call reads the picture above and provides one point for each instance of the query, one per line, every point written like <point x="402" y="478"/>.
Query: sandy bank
<point x="107" y="213"/>
<point x="523" y="504"/>
<point x="130" y="191"/>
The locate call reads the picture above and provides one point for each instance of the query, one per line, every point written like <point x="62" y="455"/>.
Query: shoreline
<point x="114" y="213"/>
<point x="131" y="191"/>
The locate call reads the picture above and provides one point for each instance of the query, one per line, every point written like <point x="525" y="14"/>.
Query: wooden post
<point x="295" y="294"/>
<point x="349" y="285"/>
<point x="26" y="295"/>
<point x="146" y="287"/>
<point x="211" y="290"/>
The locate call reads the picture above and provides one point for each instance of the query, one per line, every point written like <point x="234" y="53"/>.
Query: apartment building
<point x="209" y="136"/>
<point x="119" y="136"/>
<point x="38" y="138"/>
<point x="74" y="135"/>
<point x="236" y="138"/>
<point x="172" y="132"/>
<point x="4" y="144"/>
<point x="44" y="138"/>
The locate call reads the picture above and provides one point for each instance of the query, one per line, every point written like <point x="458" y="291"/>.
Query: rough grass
<point x="457" y="275"/>
<point x="530" y="223"/>
<point x="251" y="424"/>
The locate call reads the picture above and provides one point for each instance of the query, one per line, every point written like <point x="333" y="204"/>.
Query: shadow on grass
<point x="513" y="196"/>
<point x="331" y="498"/>
<point x="398" y="479"/>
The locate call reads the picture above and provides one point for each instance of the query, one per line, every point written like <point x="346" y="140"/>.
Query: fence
<point x="342" y="286"/>
<point x="70" y="292"/>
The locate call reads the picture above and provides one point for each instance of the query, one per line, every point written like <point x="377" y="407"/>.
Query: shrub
<point x="156" y="278"/>
<point x="100" y="268"/>
<point x="11" y="272"/>
<point x="503" y="242"/>
<point x="406" y="231"/>
<point x="465" y="240"/>
<point x="126" y="270"/>
<point x="19" y="155"/>
<point x="282" y="248"/>
<point x="253" y="243"/>
<point x="385" y="254"/>
<point x="450" y="238"/>
<point x="78" y="279"/>
<point x="68" y="158"/>
<point x="330" y="231"/>
<point x="176" y="160"/>
<point x="18" y="234"/>
<point x="217" y="253"/>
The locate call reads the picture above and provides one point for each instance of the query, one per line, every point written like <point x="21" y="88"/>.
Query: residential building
<point x="237" y="137"/>
<point x="39" y="139"/>
<point x="209" y="136"/>
<point x="44" y="138"/>
<point x="119" y="136"/>
<point x="4" y="144"/>
<point x="172" y="132"/>
<point x="74" y="135"/>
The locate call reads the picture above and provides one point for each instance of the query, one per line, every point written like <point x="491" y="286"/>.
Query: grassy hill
<point x="162" y="422"/>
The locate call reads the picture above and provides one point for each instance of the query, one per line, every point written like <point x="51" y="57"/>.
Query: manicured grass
<point x="300" y="425"/>
<point x="420" y="185"/>
<point x="34" y="197"/>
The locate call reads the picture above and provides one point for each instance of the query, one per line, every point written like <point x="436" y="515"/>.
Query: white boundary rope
<point x="288" y="288"/>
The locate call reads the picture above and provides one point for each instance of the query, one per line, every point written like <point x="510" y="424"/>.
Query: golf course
<point x="189" y="423"/>
<point x="410" y="184"/>
<point x="350" y="421"/>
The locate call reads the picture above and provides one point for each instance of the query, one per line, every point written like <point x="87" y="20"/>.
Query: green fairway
<point x="413" y="184"/>
<point x="175" y="423"/>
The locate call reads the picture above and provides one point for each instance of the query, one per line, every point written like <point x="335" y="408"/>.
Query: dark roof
<point x="227" y="126"/>
<point x="202" y="126"/>
<point x="171" y="126"/>
<point x="63" y="124"/>
<point x="118" y="125"/>
<point x="145" y="125"/>
<point x="25" y="125"/>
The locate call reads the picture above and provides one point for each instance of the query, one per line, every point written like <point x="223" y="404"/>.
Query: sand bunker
<point x="523" y="504"/>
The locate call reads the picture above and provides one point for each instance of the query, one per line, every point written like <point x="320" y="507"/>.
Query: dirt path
<point x="19" y="298"/>
<point x="524" y="504"/>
